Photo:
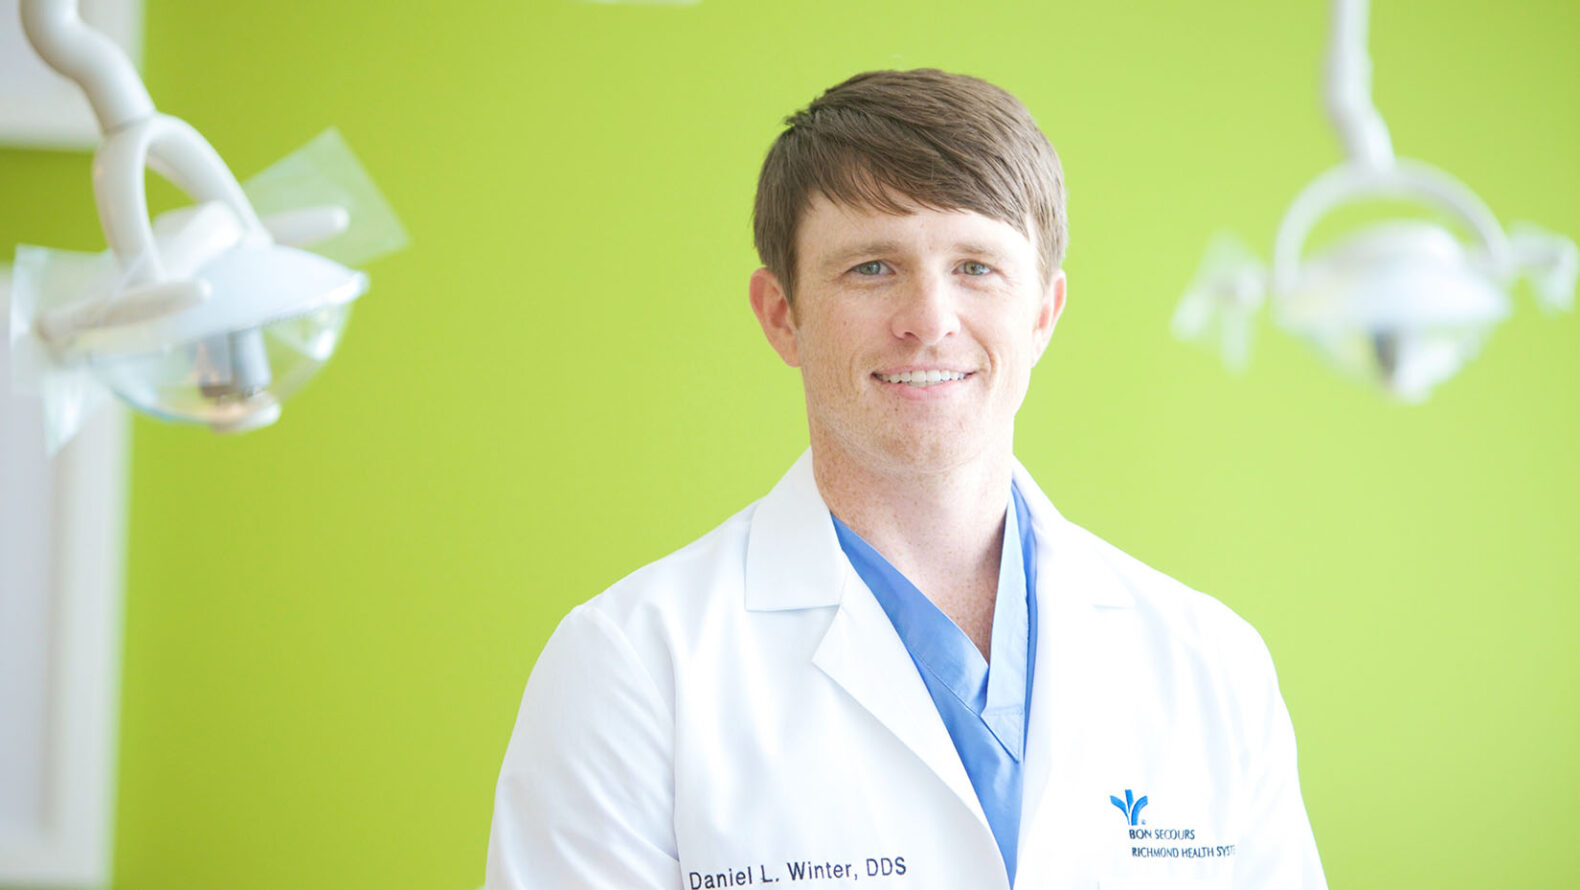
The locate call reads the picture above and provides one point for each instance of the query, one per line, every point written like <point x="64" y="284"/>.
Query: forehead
<point x="829" y="230"/>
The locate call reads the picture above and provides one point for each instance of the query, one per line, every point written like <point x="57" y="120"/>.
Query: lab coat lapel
<point x="863" y="654"/>
<point x="1074" y="587"/>
<point x="794" y="561"/>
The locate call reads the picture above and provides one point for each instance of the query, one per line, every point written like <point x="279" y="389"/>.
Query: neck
<point x="943" y="529"/>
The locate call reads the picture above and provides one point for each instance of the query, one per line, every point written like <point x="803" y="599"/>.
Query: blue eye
<point x="872" y="267"/>
<point x="972" y="267"/>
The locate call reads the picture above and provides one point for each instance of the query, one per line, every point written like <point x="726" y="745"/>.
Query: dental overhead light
<point x="210" y="314"/>
<point x="1404" y="302"/>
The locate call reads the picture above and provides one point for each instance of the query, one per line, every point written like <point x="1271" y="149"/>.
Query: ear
<point x="1048" y="312"/>
<point x="777" y="317"/>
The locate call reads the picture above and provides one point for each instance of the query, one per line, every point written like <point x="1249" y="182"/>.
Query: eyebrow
<point x="880" y="248"/>
<point x="981" y="250"/>
<point x="867" y="249"/>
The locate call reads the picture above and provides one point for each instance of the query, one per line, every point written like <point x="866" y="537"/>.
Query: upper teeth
<point x="922" y="378"/>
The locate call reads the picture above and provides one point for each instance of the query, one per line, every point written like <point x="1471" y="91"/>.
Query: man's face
<point x="915" y="334"/>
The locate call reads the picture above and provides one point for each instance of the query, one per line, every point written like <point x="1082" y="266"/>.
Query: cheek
<point x="837" y="343"/>
<point x="821" y="364"/>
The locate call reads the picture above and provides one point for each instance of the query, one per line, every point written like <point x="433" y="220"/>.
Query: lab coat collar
<point x="793" y="560"/>
<point x="1070" y="564"/>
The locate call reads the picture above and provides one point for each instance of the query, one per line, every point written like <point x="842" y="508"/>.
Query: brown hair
<point x="891" y="140"/>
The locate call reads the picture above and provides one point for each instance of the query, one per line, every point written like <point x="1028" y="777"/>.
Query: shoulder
<point x="1169" y="636"/>
<point x="706" y="574"/>
<point x="1200" y="616"/>
<point x="1191" y="631"/>
<point x="1108" y="576"/>
<point x="646" y="620"/>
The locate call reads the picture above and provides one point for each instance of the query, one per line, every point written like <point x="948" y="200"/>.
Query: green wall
<point x="329" y="623"/>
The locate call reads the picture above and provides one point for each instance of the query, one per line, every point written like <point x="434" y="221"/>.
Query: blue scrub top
<point x="985" y="710"/>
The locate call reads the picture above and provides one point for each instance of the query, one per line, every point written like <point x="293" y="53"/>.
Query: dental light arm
<point x="1405" y="303"/>
<point x="68" y="45"/>
<point x="208" y="314"/>
<point x="1349" y="89"/>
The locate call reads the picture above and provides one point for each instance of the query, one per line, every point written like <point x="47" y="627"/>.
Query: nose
<point x="925" y="311"/>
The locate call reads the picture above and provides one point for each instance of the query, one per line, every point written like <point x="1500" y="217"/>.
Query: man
<point x="903" y="665"/>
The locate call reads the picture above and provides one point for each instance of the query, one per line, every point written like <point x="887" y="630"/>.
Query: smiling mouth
<point x="923" y="378"/>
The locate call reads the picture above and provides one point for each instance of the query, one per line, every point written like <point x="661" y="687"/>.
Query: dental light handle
<point x="1349" y="89"/>
<point x="135" y="136"/>
<point x="178" y="153"/>
<point x="1406" y="180"/>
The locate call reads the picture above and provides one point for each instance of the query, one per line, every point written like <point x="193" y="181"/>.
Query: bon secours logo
<point x="1130" y="806"/>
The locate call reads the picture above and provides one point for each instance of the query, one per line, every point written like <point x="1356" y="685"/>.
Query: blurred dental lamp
<point x="209" y="314"/>
<point x="1403" y="303"/>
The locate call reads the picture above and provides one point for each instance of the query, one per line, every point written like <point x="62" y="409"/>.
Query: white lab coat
<point x="742" y="712"/>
